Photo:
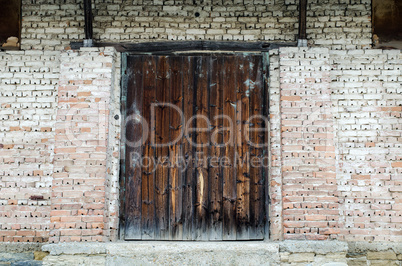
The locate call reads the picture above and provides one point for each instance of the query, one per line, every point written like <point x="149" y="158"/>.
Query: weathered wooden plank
<point x="148" y="174"/>
<point x="205" y="201"/>
<point x="229" y="171"/>
<point x="133" y="149"/>
<point x="171" y="47"/>
<point x="243" y="168"/>
<point x="215" y="170"/>
<point x="266" y="154"/>
<point x="257" y="139"/>
<point x="88" y="25"/>
<point x="188" y="149"/>
<point x="302" y="20"/>
<point x="202" y="149"/>
<point x="175" y="170"/>
<point x="161" y="148"/>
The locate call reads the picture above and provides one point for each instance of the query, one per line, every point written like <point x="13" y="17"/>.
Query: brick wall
<point x="343" y="24"/>
<point x="367" y="94"/>
<point x="55" y="117"/>
<point x="310" y="197"/>
<point x="80" y="207"/>
<point x="340" y="153"/>
<point x="28" y="81"/>
<point x="336" y="132"/>
<point x="51" y="25"/>
<point x="335" y="113"/>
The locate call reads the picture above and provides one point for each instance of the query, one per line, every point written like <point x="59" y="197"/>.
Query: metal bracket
<point x="88" y="43"/>
<point x="302" y="43"/>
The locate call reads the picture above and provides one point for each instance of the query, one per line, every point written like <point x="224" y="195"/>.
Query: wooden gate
<point x="196" y="147"/>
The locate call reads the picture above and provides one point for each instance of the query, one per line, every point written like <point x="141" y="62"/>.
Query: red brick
<point x="290" y="98"/>
<point x="396" y="164"/>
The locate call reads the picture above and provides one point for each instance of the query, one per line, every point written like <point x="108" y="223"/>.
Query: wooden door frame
<point x="187" y="50"/>
<point x="174" y="46"/>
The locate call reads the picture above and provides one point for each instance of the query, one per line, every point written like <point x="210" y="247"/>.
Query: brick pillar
<point x="310" y="197"/>
<point x="275" y="177"/>
<point x="78" y="198"/>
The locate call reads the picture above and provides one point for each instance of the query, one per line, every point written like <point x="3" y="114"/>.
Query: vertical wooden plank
<point x="148" y="174"/>
<point x="202" y="202"/>
<point x="302" y="20"/>
<point x="189" y="65"/>
<point x="244" y="84"/>
<point x="161" y="149"/>
<point x="133" y="148"/>
<point x="266" y="153"/>
<point x="202" y="149"/>
<point x="215" y="169"/>
<point x="175" y="129"/>
<point x="229" y="172"/>
<point x="257" y="139"/>
<point x="122" y="181"/>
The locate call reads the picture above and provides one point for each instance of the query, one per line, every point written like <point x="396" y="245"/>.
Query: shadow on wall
<point x="387" y="21"/>
<point x="10" y="23"/>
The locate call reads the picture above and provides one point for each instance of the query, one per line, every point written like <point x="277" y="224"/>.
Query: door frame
<point x="193" y="48"/>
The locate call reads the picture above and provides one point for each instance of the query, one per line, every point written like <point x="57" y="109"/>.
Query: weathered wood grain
<point x="217" y="193"/>
<point x="257" y="138"/>
<point x="215" y="170"/>
<point x="202" y="147"/>
<point x="244" y="83"/>
<point x="162" y="151"/>
<point x="175" y="137"/>
<point x="229" y="171"/>
<point x="148" y="174"/>
<point x="189" y="184"/>
<point x="133" y="151"/>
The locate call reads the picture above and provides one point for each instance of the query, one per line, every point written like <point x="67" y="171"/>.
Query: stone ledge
<point x="177" y="253"/>
<point x="289" y="252"/>
<point x="317" y="247"/>
<point x="121" y="248"/>
<point x="363" y="247"/>
<point x="75" y="248"/>
<point x="20" y="247"/>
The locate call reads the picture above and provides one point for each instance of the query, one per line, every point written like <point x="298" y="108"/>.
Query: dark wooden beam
<point x="88" y="19"/>
<point x="182" y="46"/>
<point x="302" y="19"/>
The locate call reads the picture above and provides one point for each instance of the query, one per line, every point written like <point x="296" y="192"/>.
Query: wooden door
<point x="195" y="162"/>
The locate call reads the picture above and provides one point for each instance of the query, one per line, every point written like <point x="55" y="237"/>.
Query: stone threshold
<point x="196" y="253"/>
<point x="114" y="248"/>
<point x="163" y="252"/>
<point x="328" y="253"/>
